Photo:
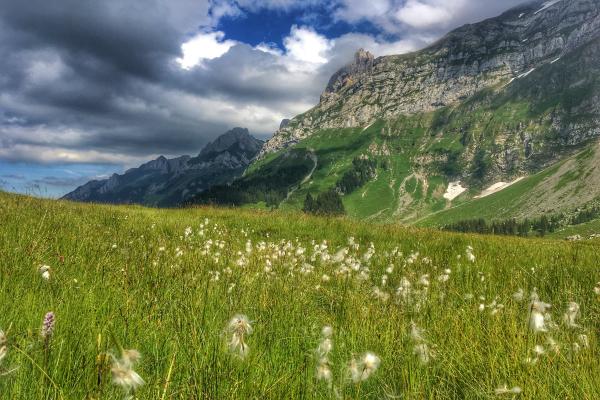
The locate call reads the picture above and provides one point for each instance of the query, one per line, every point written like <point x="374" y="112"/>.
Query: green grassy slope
<point x="137" y="274"/>
<point x="565" y="186"/>
<point x="517" y="128"/>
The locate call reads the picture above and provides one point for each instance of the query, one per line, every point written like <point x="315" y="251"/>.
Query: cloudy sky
<point x="88" y="88"/>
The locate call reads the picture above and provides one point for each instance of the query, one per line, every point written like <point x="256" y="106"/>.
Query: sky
<point x="90" y="88"/>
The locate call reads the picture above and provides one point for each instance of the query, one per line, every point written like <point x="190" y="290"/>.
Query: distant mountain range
<point x="171" y="182"/>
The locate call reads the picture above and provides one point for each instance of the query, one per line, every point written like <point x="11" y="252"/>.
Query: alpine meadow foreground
<point x="111" y="302"/>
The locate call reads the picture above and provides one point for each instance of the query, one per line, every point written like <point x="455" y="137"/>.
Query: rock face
<point x="171" y="182"/>
<point x="466" y="61"/>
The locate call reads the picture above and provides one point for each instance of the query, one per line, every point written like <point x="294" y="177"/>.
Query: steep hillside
<point x="164" y="182"/>
<point x="566" y="186"/>
<point x="491" y="102"/>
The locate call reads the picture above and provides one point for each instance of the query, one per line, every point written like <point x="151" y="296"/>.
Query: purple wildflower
<point x="48" y="325"/>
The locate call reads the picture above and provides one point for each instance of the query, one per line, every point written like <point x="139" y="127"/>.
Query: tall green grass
<point x="110" y="276"/>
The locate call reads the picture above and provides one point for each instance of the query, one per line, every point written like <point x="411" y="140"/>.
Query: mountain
<point x="171" y="182"/>
<point x="407" y="136"/>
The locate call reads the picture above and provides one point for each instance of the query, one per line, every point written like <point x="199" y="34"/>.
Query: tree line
<point x="509" y="227"/>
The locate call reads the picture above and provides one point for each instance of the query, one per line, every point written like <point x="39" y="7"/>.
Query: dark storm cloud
<point x="79" y="65"/>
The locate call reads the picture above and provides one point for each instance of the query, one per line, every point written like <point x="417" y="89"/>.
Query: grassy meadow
<point x="440" y="319"/>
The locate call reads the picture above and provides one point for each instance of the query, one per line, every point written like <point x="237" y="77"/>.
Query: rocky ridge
<point x="169" y="182"/>
<point x="474" y="57"/>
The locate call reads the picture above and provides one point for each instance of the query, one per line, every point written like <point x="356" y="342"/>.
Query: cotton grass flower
<point x="421" y="349"/>
<point x="519" y="295"/>
<point x="571" y="315"/>
<point x="416" y="333"/>
<point x="122" y="371"/>
<point x="423" y="353"/>
<point x="44" y="271"/>
<point x="239" y="327"/>
<point x="361" y="369"/>
<point x="537" y="316"/>
<point x="470" y="255"/>
<point x="325" y="347"/>
<point x="505" y="390"/>
<point x="324" y="370"/>
<point x="323" y="350"/>
<point x="553" y="344"/>
<point x="584" y="340"/>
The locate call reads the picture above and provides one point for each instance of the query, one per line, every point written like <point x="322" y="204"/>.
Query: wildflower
<point x="424" y="280"/>
<point x="324" y="370"/>
<point x="470" y="255"/>
<point x="597" y="289"/>
<point x="239" y="327"/>
<point x="380" y="294"/>
<point x="537" y="319"/>
<point x="539" y="350"/>
<point x="416" y="333"/>
<point x="571" y="315"/>
<point x="325" y="278"/>
<point x="531" y="361"/>
<point x="340" y="255"/>
<point x="583" y="339"/>
<point x="122" y="371"/>
<point x="327" y="331"/>
<point x="505" y="390"/>
<point x="48" y="326"/>
<point x="421" y="349"/>
<point x="553" y="345"/>
<point x="519" y="295"/>
<point x="325" y="347"/>
<point x="445" y="276"/>
<point x="423" y="352"/>
<point x="45" y="272"/>
<point x="360" y="370"/>
<point x="403" y="291"/>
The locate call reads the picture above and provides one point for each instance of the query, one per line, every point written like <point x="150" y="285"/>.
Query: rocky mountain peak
<point x="362" y="64"/>
<point x="363" y="60"/>
<point x="237" y="139"/>
<point x="284" y="122"/>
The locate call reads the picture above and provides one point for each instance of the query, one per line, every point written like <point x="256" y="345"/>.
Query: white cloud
<point x="357" y="10"/>
<point x="305" y="49"/>
<point x="408" y="16"/>
<point x="420" y="14"/>
<point x="204" y="46"/>
<point x="40" y="154"/>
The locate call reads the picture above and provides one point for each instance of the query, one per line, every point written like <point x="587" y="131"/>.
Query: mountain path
<point x="313" y="156"/>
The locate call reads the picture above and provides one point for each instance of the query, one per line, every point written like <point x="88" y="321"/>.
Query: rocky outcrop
<point x="171" y="182"/>
<point x="472" y="58"/>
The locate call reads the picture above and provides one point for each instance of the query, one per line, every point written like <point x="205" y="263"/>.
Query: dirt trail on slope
<point x="313" y="157"/>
